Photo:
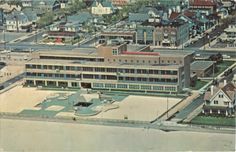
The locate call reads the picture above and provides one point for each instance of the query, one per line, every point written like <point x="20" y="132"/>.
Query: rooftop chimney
<point x="225" y="82"/>
<point x="212" y="90"/>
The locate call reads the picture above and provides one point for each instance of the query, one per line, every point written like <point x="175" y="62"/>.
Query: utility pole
<point x="167" y="107"/>
<point x="36" y="32"/>
<point x="17" y="24"/>
<point x="4" y="39"/>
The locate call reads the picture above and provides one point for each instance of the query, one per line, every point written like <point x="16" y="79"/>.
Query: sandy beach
<point x="142" y="108"/>
<point x="20" y="98"/>
<point x="30" y="136"/>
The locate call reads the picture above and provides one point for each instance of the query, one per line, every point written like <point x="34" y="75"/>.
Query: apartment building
<point x="159" y="34"/>
<point x="112" y="66"/>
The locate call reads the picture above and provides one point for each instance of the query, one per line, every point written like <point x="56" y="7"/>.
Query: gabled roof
<point x="138" y="17"/>
<point x="47" y="2"/>
<point x="203" y="3"/>
<point x="104" y="3"/>
<point x="229" y="89"/>
<point x="80" y="18"/>
<point x="16" y="14"/>
<point x="146" y="9"/>
<point x="186" y="13"/>
<point x="174" y="15"/>
<point x="32" y="15"/>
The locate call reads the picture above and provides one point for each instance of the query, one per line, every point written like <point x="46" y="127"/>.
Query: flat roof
<point x="75" y="52"/>
<point x="102" y="64"/>
<point x="173" y="53"/>
<point x="201" y="65"/>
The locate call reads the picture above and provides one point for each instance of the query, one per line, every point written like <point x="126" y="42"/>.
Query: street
<point x="12" y="80"/>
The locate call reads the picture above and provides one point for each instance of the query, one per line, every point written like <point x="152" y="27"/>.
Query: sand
<point x="142" y="108"/>
<point x="20" y="98"/>
<point x="30" y="136"/>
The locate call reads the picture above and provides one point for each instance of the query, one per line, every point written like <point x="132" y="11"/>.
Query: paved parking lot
<point x="10" y="36"/>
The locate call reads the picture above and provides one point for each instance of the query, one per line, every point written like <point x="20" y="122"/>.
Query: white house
<point x="102" y="7"/>
<point x="17" y="21"/>
<point x="220" y="100"/>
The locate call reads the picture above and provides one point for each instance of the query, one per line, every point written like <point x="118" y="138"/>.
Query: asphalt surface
<point x="190" y="108"/>
<point x="12" y="80"/>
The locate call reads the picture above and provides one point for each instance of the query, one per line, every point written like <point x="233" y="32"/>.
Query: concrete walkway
<point x="180" y="106"/>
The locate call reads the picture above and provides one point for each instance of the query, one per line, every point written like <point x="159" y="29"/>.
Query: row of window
<point x="102" y="77"/>
<point x="143" y="61"/>
<point x="133" y="86"/>
<point x="112" y="70"/>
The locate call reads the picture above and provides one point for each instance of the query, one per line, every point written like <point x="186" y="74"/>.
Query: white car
<point x="226" y="56"/>
<point x="198" y="55"/>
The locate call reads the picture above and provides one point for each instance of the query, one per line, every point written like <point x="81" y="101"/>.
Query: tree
<point x="46" y="19"/>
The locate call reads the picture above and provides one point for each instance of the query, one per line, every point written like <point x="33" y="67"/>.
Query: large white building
<point x="102" y="7"/>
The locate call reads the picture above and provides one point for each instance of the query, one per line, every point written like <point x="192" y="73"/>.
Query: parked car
<point x="1" y="87"/>
<point x="226" y="56"/>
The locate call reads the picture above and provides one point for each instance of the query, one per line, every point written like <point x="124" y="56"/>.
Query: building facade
<point x="159" y="34"/>
<point x="110" y="67"/>
<point x="18" y="22"/>
<point x="127" y="35"/>
<point x="220" y="100"/>
<point x="102" y="7"/>
<point x="64" y="31"/>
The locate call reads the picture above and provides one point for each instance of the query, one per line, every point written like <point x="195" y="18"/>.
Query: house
<point x="7" y="8"/>
<point x="63" y="3"/>
<point x="220" y="100"/>
<point x="188" y="17"/>
<point x="26" y="3"/>
<point x="46" y="5"/>
<point x="18" y="21"/>
<point x="138" y="17"/>
<point x="69" y="28"/>
<point x="102" y="7"/>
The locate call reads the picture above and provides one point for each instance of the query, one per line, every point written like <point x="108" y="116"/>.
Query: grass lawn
<point x="222" y="66"/>
<point x="199" y="84"/>
<point x="218" y="121"/>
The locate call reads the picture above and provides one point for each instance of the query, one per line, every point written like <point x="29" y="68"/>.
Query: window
<point x="226" y="103"/>
<point x="122" y="86"/>
<point x="114" y="52"/>
<point x="110" y="85"/>
<point x="215" y="101"/>
<point x="132" y="86"/>
<point x="221" y="96"/>
<point x="98" y="85"/>
<point x="158" y="88"/>
<point x="146" y="87"/>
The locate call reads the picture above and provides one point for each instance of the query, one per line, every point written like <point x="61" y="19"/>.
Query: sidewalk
<point x="180" y="106"/>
